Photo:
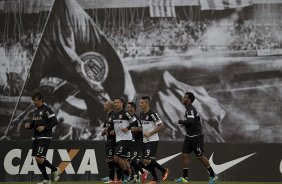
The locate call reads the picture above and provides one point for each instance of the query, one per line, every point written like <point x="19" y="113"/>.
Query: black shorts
<point x="123" y="149"/>
<point x="40" y="147"/>
<point x="195" y="144"/>
<point x="110" y="148"/>
<point x="137" y="148"/>
<point x="150" y="150"/>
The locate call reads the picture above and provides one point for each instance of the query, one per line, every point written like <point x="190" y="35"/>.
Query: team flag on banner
<point x="73" y="49"/>
<point x="162" y="8"/>
<point x="224" y="4"/>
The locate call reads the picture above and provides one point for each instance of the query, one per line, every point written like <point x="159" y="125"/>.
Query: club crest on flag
<point x="94" y="67"/>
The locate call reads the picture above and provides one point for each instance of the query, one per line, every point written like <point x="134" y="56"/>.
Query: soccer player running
<point x="123" y="121"/>
<point x="43" y="120"/>
<point x="194" y="140"/>
<point x="137" y="143"/>
<point x="108" y="130"/>
<point x="151" y="125"/>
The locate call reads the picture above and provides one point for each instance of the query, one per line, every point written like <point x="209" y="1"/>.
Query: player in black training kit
<point x="194" y="140"/>
<point x="137" y="145"/>
<point x="151" y="125"/>
<point x="108" y="130"/>
<point x="43" y="120"/>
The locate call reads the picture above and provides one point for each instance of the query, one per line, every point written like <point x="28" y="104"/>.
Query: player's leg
<point x="149" y="154"/>
<point x="110" y="146"/>
<point x="55" y="170"/>
<point x="205" y="162"/>
<point x="137" y="148"/>
<point x="140" y="162"/>
<point x="185" y="161"/>
<point x="119" y="152"/>
<point x="128" y="174"/>
<point x="153" y="146"/>
<point x="121" y="156"/>
<point x="198" y="143"/>
<point x="39" y="151"/>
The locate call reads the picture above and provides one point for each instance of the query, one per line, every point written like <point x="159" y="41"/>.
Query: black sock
<point x="185" y="173"/>
<point x="152" y="170"/>
<point x="111" y="165"/>
<point x="210" y="171"/>
<point x="118" y="171"/>
<point x="42" y="168"/>
<point x="157" y="165"/>
<point x="140" y="163"/>
<point x="136" y="167"/>
<point x="49" y="165"/>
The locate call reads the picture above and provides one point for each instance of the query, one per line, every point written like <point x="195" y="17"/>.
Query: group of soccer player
<point x="132" y="141"/>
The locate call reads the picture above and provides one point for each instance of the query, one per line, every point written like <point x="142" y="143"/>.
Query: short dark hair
<point x="122" y="99"/>
<point x="146" y="98"/>
<point x="191" y="96"/>
<point x="37" y="94"/>
<point x="133" y="104"/>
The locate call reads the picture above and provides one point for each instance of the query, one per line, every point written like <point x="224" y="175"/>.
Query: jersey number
<point x="40" y="150"/>
<point x="110" y="152"/>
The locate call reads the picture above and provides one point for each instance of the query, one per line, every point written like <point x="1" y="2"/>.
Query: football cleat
<point x="154" y="182"/>
<point x="45" y="182"/>
<point x="106" y="179"/>
<point x="127" y="179"/>
<point x="181" y="180"/>
<point x="56" y="174"/>
<point x="213" y="179"/>
<point x="136" y="179"/>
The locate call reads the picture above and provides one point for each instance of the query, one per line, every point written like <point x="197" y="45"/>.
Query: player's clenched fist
<point x="27" y="125"/>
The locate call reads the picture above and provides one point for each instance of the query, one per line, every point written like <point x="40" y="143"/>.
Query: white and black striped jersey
<point x="43" y="116"/>
<point x="150" y="120"/>
<point x="122" y="120"/>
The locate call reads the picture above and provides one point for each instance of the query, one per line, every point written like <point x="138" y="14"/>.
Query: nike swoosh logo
<point x="166" y="159"/>
<point x="222" y="167"/>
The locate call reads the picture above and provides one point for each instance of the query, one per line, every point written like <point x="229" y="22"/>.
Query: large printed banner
<point x="81" y="53"/>
<point x="85" y="161"/>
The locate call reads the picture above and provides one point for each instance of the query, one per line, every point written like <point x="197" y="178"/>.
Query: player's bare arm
<point x="157" y="129"/>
